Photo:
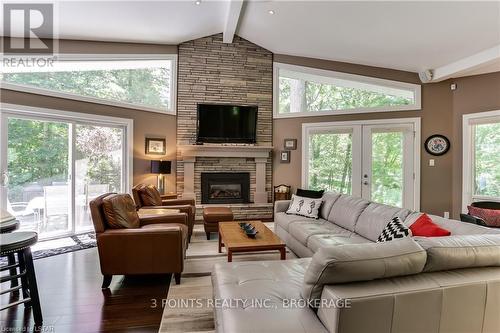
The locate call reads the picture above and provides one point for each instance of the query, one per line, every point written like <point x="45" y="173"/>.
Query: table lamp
<point x="161" y="168"/>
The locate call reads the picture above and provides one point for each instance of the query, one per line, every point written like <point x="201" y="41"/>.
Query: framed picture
<point x="290" y="144"/>
<point x="437" y="145"/>
<point x="285" y="156"/>
<point x="156" y="146"/>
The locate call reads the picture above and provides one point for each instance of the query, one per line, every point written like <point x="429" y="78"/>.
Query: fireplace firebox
<point x="225" y="187"/>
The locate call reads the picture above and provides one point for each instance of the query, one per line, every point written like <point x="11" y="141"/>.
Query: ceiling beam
<point x="233" y="15"/>
<point x="467" y="64"/>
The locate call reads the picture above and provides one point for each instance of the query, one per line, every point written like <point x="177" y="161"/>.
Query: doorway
<point x="55" y="162"/>
<point x="378" y="160"/>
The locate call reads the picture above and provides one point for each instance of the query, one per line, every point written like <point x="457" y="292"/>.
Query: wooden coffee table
<point x="235" y="240"/>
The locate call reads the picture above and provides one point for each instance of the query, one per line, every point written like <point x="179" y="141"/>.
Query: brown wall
<point x="95" y="47"/>
<point x="145" y="123"/>
<point x="473" y="94"/>
<point x="435" y="115"/>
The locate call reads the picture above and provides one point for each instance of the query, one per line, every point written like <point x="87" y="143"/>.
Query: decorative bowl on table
<point x="248" y="229"/>
<point x="251" y="233"/>
<point x="246" y="226"/>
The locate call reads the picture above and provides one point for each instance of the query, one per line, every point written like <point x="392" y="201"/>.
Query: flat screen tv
<point x="219" y="123"/>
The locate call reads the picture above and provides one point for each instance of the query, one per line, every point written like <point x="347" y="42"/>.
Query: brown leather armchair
<point x="156" y="245"/>
<point x="148" y="196"/>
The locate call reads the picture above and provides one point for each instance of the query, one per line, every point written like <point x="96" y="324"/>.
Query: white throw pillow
<point x="302" y="206"/>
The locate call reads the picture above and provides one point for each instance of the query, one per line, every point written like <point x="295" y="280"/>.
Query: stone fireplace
<point x="225" y="187"/>
<point x="237" y="73"/>
<point x="205" y="159"/>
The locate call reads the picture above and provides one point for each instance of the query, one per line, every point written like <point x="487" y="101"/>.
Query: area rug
<point x="186" y="308"/>
<point x="48" y="248"/>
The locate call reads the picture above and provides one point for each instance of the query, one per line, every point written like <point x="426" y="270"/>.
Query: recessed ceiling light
<point x="271" y="12"/>
<point x="198" y="2"/>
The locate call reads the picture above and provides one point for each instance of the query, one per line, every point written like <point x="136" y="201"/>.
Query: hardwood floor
<point x="72" y="299"/>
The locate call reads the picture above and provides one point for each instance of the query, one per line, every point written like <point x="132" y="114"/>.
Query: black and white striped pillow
<point x="393" y="230"/>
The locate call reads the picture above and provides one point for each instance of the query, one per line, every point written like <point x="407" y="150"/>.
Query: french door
<point x="53" y="165"/>
<point x="377" y="160"/>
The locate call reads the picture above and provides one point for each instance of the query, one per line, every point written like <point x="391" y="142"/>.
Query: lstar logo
<point x="29" y="22"/>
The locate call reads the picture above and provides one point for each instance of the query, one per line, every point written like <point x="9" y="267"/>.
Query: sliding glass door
<point x="373" y="160"/>
<point x="53" y="167"/>
<point x="98" y="167"/>
<point x="38" y="170"/>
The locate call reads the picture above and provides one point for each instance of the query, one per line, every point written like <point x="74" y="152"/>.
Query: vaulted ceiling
<point x="413" y="36"/>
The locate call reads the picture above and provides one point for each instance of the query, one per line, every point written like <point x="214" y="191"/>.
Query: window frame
<point x="307" y="71"/>
<point x="468" y="155"/>
<point x="172" y="110"/>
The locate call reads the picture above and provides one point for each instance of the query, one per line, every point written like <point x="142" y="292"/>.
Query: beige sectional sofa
<point x="345" y="282"/>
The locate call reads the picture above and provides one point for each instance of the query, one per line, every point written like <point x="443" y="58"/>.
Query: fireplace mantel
<point x="191" y="151"/>
<point x="260" y="154"/>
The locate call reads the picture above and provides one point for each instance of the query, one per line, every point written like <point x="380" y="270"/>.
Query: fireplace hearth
<point x="225" y="187"/>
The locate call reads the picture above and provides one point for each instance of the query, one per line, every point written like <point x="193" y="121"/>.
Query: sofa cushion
<point x="490" y="216"/>
<point x="346" y="210"/>
<point x="454" y="226"/>
<point x="304" y="206"/>
<point x="302" y="231"/>
<point x="150" y="196"/>
<point x="119" y="210"/>
<point x="361" y="262"/>
<point x="463" y="251"/>
<point x="309" y="193"/>
<point x="375" y="217"/>
<point x="315" y="242"/>
<point x="329" y="199"/>
<point x="272" y="281"/>
<point x="424" y="226"/>
<point x="395" y="229"/>
<point x="285" y="221"/>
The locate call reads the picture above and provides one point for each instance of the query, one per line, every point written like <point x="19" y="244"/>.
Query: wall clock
<point x="437" y="145"/>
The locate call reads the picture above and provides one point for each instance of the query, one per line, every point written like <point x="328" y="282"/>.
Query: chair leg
<point x="177" y="277"/>
<point x="106" y="281"/>
<point x="24" y="278"/>
<point x="33" y="289"/>
<point x="11" y="259"/>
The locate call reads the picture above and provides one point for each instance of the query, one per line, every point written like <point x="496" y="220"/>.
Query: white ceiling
<point x="404" y="35"/>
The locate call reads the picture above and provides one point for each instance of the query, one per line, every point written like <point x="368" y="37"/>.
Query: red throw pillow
<point x="490" y="216"/>
<point x="424" y="226"/>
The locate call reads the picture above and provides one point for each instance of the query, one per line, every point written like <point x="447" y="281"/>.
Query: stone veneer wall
<point x="211" y="71"/>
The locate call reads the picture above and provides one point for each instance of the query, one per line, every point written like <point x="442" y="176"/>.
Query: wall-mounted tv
<point x="218" y="123"/>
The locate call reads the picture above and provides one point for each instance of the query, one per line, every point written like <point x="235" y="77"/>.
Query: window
<point x="481" y="162"/>
<point x="137" y="83"/>
<point x="302" y="91"/>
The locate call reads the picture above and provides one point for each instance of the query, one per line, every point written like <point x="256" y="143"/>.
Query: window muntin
<point x="306" y="91"/>
<point x="140" y="83"/>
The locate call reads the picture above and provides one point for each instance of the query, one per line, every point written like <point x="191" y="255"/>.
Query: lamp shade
<point x="161" y="167"/>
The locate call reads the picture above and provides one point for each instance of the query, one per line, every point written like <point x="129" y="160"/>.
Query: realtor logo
<point x="29" y="22"/>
